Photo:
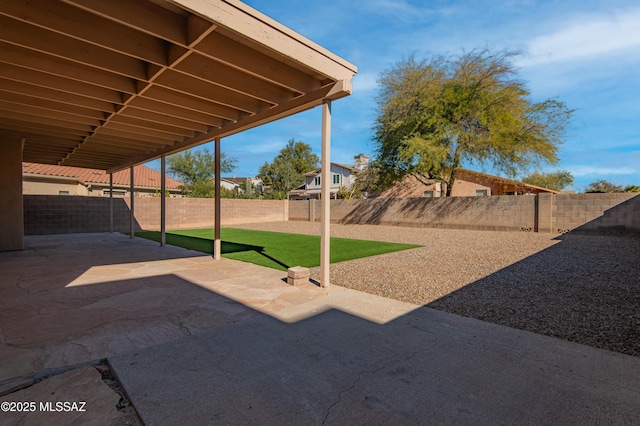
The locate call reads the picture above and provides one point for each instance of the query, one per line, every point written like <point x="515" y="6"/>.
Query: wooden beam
<point x="49" y="81"/>
<point x="136" y="130"/>
<point x="207" y="91"/>
<point x="158" y="117"/>
<point x="299" y="104"/>
<point x="87" y="27"/>
<point x="38" y="112"/>
<point x="174" y="131"/>
<point x="51" y="105"/>
<point x="255" y="27"/>
<point x="37" y="61"/>
<point x="37" y="92"/>
<point x="223" y="49"/>
<point x="141" y="15"/>
<point x="39" y="120"/>
<point x="41" y="40"/>
<point x="232" y="78"/>
<point x="182" y="100"/>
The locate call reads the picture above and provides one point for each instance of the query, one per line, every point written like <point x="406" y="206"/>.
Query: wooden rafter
<point x="109" y="84"/>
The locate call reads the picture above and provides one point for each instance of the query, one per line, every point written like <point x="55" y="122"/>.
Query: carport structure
<point x="111" y="84"/>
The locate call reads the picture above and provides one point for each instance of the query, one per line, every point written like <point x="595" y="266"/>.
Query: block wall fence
<point x="586" y="213"/>
<point x="54" y="214"/>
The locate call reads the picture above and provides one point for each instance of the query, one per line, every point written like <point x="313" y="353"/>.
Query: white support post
<point x="163" y="202"/>
<point x="325" y="206"/>
<point x="131" y="215"/>
<point x="111" y="202"/>
<point x="217" y="243"/>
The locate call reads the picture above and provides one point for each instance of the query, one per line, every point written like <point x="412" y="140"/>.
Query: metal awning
<point x="110" y="84"/>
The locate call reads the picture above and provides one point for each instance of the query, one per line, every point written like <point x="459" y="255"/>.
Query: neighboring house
<point x="341" y="175"/>
<point x="239" y="182"/>
<point x="44" y="179"/>
<point x="468" y="184"/>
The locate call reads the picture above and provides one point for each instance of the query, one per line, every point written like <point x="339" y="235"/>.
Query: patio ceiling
<point x="110" y="84"/>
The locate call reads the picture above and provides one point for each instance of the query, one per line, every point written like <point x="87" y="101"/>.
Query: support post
<point x="325" y="206"/>
<point x="111" y="202"/>
<point x="163" y="202"/>
<point x="217" y="243"/>
<point x="131" y="216"/>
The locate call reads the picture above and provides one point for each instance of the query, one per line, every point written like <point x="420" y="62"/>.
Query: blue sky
<point x="585" y="53"/>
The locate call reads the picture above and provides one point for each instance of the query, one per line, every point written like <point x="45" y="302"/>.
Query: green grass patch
<point x="274" y="249"/>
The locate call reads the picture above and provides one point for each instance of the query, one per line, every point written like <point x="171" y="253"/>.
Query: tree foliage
<point x="435" y="114"/>
<point x="553" y="180"/>
<point x="288" y="169"/>
<point x="196" y="169"/>
<point x="603" y="186"/>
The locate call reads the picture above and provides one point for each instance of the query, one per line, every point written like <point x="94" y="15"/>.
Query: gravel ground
<point x="577" y="287"/>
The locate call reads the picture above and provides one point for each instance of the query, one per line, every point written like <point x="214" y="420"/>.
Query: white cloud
<point x="587" y="37"/>
<point x="264" y="147"/>
<point x="595" y="170"/>
<point x="364" y="82"/>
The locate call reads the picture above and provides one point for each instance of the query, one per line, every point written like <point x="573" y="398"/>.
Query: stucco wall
<point x="48" y="188"/>
<point x="11" y="218"/>
<point x="587" y="213"/>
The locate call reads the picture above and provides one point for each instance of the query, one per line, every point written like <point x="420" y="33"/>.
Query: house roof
<point x="504" y="180"/>
<point x="143" y="177"/>
<point x="344" y="166"/>
<point x="237" y="180"/>
<point x="111" y="84"/>
<point x="412" y="187"/>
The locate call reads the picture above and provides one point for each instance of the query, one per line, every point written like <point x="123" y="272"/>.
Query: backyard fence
<point x="589" y="213"/>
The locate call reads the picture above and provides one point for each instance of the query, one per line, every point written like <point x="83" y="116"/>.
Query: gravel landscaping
<point x="581" y="288"/>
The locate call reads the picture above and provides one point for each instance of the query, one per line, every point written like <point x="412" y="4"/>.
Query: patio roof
<point x="110" y="84"/>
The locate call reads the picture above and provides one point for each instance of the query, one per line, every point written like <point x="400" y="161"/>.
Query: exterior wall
<point x="53" y="214"/>
<point x="11" y="218"/>
<point x="464" y="188"/>
<point x="549" y="213"/>
<point x="346" y="179"/>
<point x="47" y="188"/>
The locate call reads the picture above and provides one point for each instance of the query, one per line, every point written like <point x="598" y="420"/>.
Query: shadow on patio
<point x="193" y="340"/>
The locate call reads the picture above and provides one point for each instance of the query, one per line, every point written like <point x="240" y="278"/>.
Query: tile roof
<point x="344" y="166"/>
<point x="143" y="176"/>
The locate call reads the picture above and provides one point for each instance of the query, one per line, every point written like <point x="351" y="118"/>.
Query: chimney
<point x="361" y="161"/>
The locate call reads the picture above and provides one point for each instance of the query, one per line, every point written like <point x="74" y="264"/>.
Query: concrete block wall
<point x="185" y="213"/>
<point x="549" y="213"/>
<point x="589" y="213"/>
<point x="488" y="213"/>
<point x="54" y="214"/>
<point x="59" y="214"/>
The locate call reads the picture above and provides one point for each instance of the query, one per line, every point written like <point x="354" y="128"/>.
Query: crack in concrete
<point x="389" y="363"/>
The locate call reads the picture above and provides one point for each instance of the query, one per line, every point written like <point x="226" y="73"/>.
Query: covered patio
<point x="108" y="85"/>
<point x="199" y="341"/>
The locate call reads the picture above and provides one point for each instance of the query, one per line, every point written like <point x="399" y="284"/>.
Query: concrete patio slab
<point x="74" y="299"/>
<point x="425" y="367"/>
<point x="201" y="341"/>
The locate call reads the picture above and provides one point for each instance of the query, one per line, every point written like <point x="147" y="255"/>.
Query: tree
<point x="553" y="180"/>
<point x="196" y="169"/>
<point x="603" y="186"/>
<point x="632" y="188"/>
<point x="288" y="169"/>
<point x="435" y="115"/>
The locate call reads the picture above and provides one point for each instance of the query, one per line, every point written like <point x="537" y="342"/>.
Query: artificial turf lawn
<point x="274" y="249"/>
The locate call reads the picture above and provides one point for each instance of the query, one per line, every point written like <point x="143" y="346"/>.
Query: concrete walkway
<point x="203" y="342"/>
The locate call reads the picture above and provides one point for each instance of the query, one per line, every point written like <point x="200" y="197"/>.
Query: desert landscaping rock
<point x="583" y="288"/>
